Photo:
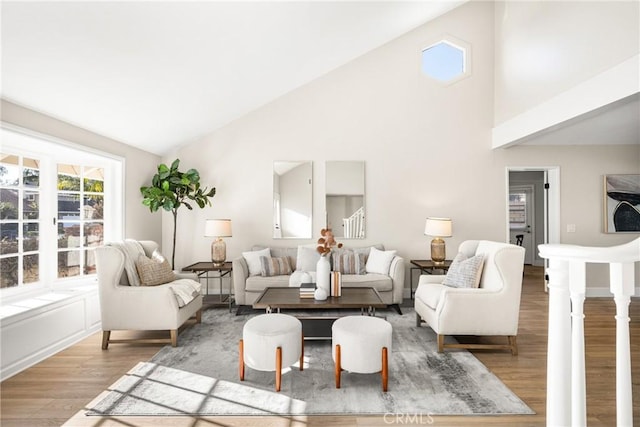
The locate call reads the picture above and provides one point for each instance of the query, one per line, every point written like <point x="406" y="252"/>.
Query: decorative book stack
<point x="307" y="290"/>
<point x="336" y="284"/>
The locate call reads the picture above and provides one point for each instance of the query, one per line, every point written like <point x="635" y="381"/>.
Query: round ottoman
<point x="269" y="342"/>
<point x="361" y="344"/>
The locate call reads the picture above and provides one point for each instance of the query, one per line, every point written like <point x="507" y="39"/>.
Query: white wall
<point x="544" y="48"/>
<point x="379" y="109"/>
<point x="140" y="165"/>
<point x="427" y="149"/>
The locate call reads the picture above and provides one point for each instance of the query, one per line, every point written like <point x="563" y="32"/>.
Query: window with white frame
<point x="446" y="61"/>
<point x="58" y="202"/>
<point x="19" y="220"/>
<point x="80" y="217"/>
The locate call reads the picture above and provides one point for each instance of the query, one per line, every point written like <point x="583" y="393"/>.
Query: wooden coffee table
<point x="319" y="327"/>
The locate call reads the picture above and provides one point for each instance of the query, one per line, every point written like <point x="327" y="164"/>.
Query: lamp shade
<point x="217" y="228"/>
<point x="438" y="227"/>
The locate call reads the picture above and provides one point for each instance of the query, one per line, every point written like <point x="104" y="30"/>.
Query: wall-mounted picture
<point x="622" y="203"/>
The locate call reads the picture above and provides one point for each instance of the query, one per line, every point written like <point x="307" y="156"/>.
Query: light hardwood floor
<point x="55" y="391"/>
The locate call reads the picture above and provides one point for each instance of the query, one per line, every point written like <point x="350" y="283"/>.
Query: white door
<point x="522" y="219"/>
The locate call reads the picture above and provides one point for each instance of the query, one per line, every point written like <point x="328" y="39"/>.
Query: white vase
<point x="323" y="274"/>
<point x="320" y="294"/>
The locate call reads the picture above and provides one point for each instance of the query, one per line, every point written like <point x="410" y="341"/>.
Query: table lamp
<point x="218" y="228"/>
<point x="438" y="228"/>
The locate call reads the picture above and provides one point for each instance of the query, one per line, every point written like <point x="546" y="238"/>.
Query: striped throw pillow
<point x="275" y="266"/>
<point x="349" y="262"/>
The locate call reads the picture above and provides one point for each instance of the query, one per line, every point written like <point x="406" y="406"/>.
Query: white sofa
<point x="125" y="307"/>
<point x="247" y="288"/>
<point x="491" y="309"/>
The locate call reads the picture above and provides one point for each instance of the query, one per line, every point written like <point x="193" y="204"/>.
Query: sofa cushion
<point x="379" y="282"/>
<point x="298" y="277"/>
<point x="430" y="294"/>
<point x="259" y="283"/>
<point x="272" y="266"/>
<point x="348" y="262"/>
<point x="366" y="250"/>
<point x="253" y="260"/>
<point x="155" y="270"/>
<point x="379" y="261"/>
<point x="289" y="253"/>
<point x="464" y="272"/>
<point x="307" y="258"/>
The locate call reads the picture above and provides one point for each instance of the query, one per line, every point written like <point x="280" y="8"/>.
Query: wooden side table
<point x="426" y="266"/>
<point x="203" y="268"/>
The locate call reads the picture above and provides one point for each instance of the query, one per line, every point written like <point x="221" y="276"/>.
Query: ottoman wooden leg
<point x="338" y="367"/>
<point x="302" y="354"/>
<point x="385" y="369"/>
<point x="278" y="368"/>
<point x="241" y="361"/>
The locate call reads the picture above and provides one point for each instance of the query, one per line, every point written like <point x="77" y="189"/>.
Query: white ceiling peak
<point x="157" y="75"/>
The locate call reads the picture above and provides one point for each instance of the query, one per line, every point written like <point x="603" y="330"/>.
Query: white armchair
<point x="491" y="309"/>
<point x="125" y="307"/>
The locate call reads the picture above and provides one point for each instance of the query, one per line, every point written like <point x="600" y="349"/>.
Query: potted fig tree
<point x="170" y="188"/>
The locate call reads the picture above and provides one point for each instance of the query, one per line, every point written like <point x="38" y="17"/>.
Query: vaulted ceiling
<point x="157" y="75"/>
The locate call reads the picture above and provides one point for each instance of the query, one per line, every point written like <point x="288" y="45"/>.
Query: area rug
<point x="200" y="377"/>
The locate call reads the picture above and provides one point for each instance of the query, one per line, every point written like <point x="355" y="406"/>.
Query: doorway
<point x="535" y="214"/>
<point x="523" y="216"/>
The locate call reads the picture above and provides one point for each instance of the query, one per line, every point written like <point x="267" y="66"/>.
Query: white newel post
<point x="558" y="346"/>
<point x="566" y="400"/>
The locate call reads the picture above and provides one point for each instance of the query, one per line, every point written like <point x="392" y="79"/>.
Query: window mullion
<point x="48" y="235"/>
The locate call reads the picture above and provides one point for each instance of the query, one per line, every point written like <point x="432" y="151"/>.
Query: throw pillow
<point x="307" y="258"/>
<point x="155" y="270"/>
<point x="464" y="272"/>
<point x="366" y="250"/>
<point x="379" y="261"/>
<point x="275" y="266"/>
<point x="253" y="260"/>
<point x="348" y="262"/>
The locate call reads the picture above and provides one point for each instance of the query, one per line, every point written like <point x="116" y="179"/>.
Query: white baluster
<point x="559" y="350"/>
<point x="577" y="284"/>
<point x="567" y="265"/>
<point x="622" y="289"/>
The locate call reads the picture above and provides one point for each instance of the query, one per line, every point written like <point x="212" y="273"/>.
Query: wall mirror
<point x="292" y="200"/>
<point x="344" y="199"/>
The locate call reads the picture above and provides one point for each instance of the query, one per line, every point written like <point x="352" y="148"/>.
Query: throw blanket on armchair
<point x="185" y="290"/>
